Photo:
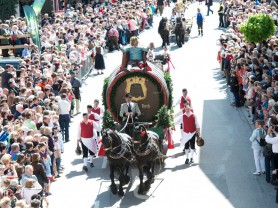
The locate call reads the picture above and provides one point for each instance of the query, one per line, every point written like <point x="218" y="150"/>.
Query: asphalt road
<point x="222" y="173"/>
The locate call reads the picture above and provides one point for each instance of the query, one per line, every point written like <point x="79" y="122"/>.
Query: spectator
<point x="76" y="85"/>
<point x="64" y="117"/>
<point x="257" y="149"/>
<point x="39" y="171"/>
<point x="28" y="174"/>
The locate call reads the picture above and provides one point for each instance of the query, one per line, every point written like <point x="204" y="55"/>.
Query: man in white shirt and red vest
<point x="87" y="135"/>
<point x="95" y="113"/>
<point x="188" y="132"/>
<point x="183" y="98"/>
<point x="97" y="110"/>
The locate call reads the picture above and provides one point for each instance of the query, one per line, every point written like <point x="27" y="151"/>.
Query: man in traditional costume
<point x="95" y="113"/>
<point x="190" y="127"/>
<point x="183" y="98"/>
<point x="87" y="135"/>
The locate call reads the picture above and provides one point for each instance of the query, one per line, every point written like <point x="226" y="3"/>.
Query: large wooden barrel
<point x="149" y="89"/>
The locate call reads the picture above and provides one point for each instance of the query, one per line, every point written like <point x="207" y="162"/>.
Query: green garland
<point x="104" y="89"/>
<point x="169" y="83"/>
<point x="7" y="8"/>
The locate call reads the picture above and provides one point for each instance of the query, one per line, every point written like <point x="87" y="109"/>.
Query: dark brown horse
<point x="163" y="30"/>
<point x="118" y="149"/>
<point x="179" y="31"/>
<point x="146" y="151"/>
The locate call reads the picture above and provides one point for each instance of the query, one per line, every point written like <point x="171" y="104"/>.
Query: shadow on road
<point x="74" y="174"/>
<point x="77" y="161"/>
<point x="227" y="158"/>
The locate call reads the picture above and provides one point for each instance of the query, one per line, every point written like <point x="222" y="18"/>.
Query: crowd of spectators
<point x="251" y="72"/>
<point x="38" y="99"/>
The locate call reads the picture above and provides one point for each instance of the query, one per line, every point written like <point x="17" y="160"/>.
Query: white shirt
<point x="64" y="107"/>
<point x="273" y="141"/>
<point x="255" y="139"/>
<point x="179" y="118"/>
<point x="179" y="101"/>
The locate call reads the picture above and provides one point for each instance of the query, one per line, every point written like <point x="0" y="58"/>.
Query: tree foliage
<point x="7" y="8"/>
<point x="164" y="120"/>
<point x="108" y="120"/>
<point x="257" y="28"/>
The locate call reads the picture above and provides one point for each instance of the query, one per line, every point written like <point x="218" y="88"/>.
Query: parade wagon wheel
<point x="149" y="89"/>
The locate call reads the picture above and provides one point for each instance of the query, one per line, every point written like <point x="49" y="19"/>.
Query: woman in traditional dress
<point x="99" y="60"/>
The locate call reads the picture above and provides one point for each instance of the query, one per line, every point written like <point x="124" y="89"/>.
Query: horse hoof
<point x="140" y="192"/>
<point x="121" y="193"/>
<point x="147" y="187"/>
<point x="113" y="189"/>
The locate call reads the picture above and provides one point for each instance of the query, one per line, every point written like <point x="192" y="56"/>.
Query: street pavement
<point x="222" y="173"/>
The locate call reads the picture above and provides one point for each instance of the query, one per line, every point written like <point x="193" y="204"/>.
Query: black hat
<point x="128" y="95"/>
<point x="89" y="106"/>
<point x="85" y="114"/>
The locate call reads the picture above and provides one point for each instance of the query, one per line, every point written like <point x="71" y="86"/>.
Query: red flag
<point x="101" y="151"/>
<point x="168" y="137"/>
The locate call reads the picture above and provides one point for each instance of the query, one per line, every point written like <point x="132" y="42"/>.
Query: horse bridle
<point x="121" y="153"/>
<point x="110" y="140"/>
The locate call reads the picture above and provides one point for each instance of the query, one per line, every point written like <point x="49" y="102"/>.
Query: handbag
<point x="78" y="150"/>
<point x="200" y="141"/>
<point x="262" y="141"/>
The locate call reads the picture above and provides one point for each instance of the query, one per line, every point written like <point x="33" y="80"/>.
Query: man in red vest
<point x="188" y="132"/>
<point x="96" y="109"/>
<point x="183" y="98"/>
<point x="87" y="135"/>
<point x="95" y="113"/>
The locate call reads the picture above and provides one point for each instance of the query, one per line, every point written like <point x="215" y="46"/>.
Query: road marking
<point x="104" y="163"/>
<point x="96" y="204"/>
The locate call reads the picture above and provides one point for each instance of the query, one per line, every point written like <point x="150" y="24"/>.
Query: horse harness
<point x="150" y="145"/>
<point x="124" y="149"/>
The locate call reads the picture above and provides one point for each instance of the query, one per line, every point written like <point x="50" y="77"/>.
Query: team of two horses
<point x="121" y="150"/>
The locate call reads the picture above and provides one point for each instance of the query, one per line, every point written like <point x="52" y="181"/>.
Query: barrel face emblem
<point x="136" y="86"/>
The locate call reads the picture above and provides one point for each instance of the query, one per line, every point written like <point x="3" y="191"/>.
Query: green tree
<point x="257" y="28"/>
<point x="164" y="120"/>
<point x="108" y="120"/>
<point x="7" y="8"/>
